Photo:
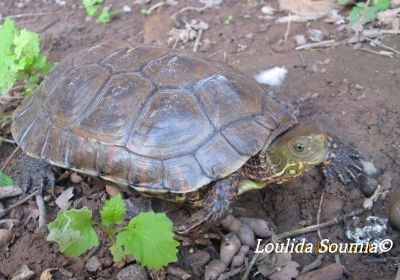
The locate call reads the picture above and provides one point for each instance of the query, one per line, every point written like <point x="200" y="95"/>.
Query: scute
<point x="227" y="98"/>
<point x="178" y="71"/>
<point x="105" y="121"/>
<point x="74" y="93"/>
<point x="171" y="124"/>
<point x="159" y="120"/>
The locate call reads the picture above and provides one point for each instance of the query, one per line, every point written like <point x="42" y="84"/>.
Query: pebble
<point x="6" y="236"/>
<point x="133" y="271"/>
<point x="267" y="10"/>
<point x="23" y="273"/>
<point x="93" y="264"/>
<point x="315" y="35"/>
<point x="394" y="213"/>
<point x="368" y="185"/>
<point x="75" y="178"/>
<point x="300" y="40"/>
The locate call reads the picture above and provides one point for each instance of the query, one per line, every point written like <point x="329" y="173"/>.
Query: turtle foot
<point x="343" y="163"/>
<point x="32" y="174"/>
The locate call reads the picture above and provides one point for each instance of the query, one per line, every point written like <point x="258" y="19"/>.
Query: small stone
<point x="300" y="40"/>
<point x="93" y="264"/>
<point x="6" y="236"/>
<point x="394" y="213"/>
<point x="133" y="271"/>
<point x="65" y="272"/>
<point x="23" y="273"/>
<point x="75" y="178"/>
<point x="358" y="87"/>
<point x="368" y="185"/>
<point x="315" y="35"/>
<point x="267" y="10"/>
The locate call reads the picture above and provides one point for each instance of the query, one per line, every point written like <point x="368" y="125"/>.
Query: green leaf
<point x="91" y="6"/>
<point x="104" y="17"/>
<point x="368" y="14"/>
<point x="113" y="211"/>
<point x="27" y="43"/>
<point x="149" y="238"/>
<point x="381" y="5"/>
<point x="7" y="34"/>
<point x="73" y="231"/>
<point x="5" y="180"/>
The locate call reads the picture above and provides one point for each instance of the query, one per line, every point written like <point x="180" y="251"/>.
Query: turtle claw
<point x="343" y="163"/>
<point x="32" y="174"/>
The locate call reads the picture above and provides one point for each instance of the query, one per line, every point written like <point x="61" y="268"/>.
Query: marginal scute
<point x="113" y="162"/>
<point x="34" y="136"/>
<point x="145" y="172"/>
<point x="171" y="124"/>
<point x="183" y="174"/>
<point x="132" y="59"/>
<point x="218" y="159"/>
<point x="227" y="98"/>
<point x="247" y="136"/>
<point x="81" y="153"/>
<point x="178" y="71"/>
<point x="95" y="53"/>
<point x="68" y="92"/>
<point x="55" y="147"/>
<point x="109" y="120"/>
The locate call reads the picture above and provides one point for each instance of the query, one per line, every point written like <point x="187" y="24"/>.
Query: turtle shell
<point x="153" y="118"/>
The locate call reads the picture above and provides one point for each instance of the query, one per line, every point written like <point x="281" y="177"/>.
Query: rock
<point x="300" y="40"/>
<point x="62" y="200"/>
<point x="289" y="271"/>
<point x="133" y="271"/>
<point x="6" y="237"/>
<point x="315" y="35"/>
<point x="23" y="273"/>
<point x="93" y="264"/>
<point x="368" y="185"/>
<point x="75" y="178"/>
<point x="394" y="213"/>
<point x="267" y="10"/>
<point x="198" y="260"/>
<point x="330" y="272"/>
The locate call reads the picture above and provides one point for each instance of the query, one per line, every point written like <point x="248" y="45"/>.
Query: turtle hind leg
<point x="32" y="173"/>
<point x="217" y="204"/>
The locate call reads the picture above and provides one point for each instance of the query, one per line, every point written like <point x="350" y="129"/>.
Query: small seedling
<point x="20" y="58"/>
<point x="148" y="237"/>
<point x="365" y="14"/>
<point x="5" y="180"/>
<point x="107" y="15"/>
<point x="146" y="11"/>
<point x="92" y="6"/>
<point x="229" y="20"/>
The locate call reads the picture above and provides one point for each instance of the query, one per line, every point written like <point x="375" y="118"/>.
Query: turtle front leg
<point x="218" y="203"/>
<point x="343" y="163"/>
<point x="32" y="173"/>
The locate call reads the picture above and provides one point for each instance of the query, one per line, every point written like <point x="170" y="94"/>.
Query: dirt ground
<point x="351" y="93"/>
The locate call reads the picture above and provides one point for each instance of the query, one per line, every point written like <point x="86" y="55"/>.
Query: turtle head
<point x="306" y="146"/>
<point x="297" y="151"/>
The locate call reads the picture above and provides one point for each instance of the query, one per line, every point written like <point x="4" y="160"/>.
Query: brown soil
<point x="352" y="94"/>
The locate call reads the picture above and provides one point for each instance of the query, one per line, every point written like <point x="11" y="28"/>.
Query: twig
<point x="22" y="201"/>
<point x="322" y="44"/>
<point x="8" y="221"/>
<point x="323" y="225"/>
<point x="42" y="211"/>
<point x="6" y="140"/>
<point x="382" y="53"/>
<point x="361" y="19"/>
<point x="197" y="42"/>
<point x="10" y="191"/>
<point x="383" y="46"/>
<point x="28" y="15"/>
<point x="319" y="213"/>
<point x="9" y="159"/>
<point x="156" y="6"/>
<point x="288" y="29"/>
<point x="189" y="8"/>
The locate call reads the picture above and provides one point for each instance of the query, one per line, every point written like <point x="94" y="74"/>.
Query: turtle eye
<point x="299" y="147"/>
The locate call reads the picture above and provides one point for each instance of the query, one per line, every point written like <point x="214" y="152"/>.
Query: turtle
<point x="168" y="124"/>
